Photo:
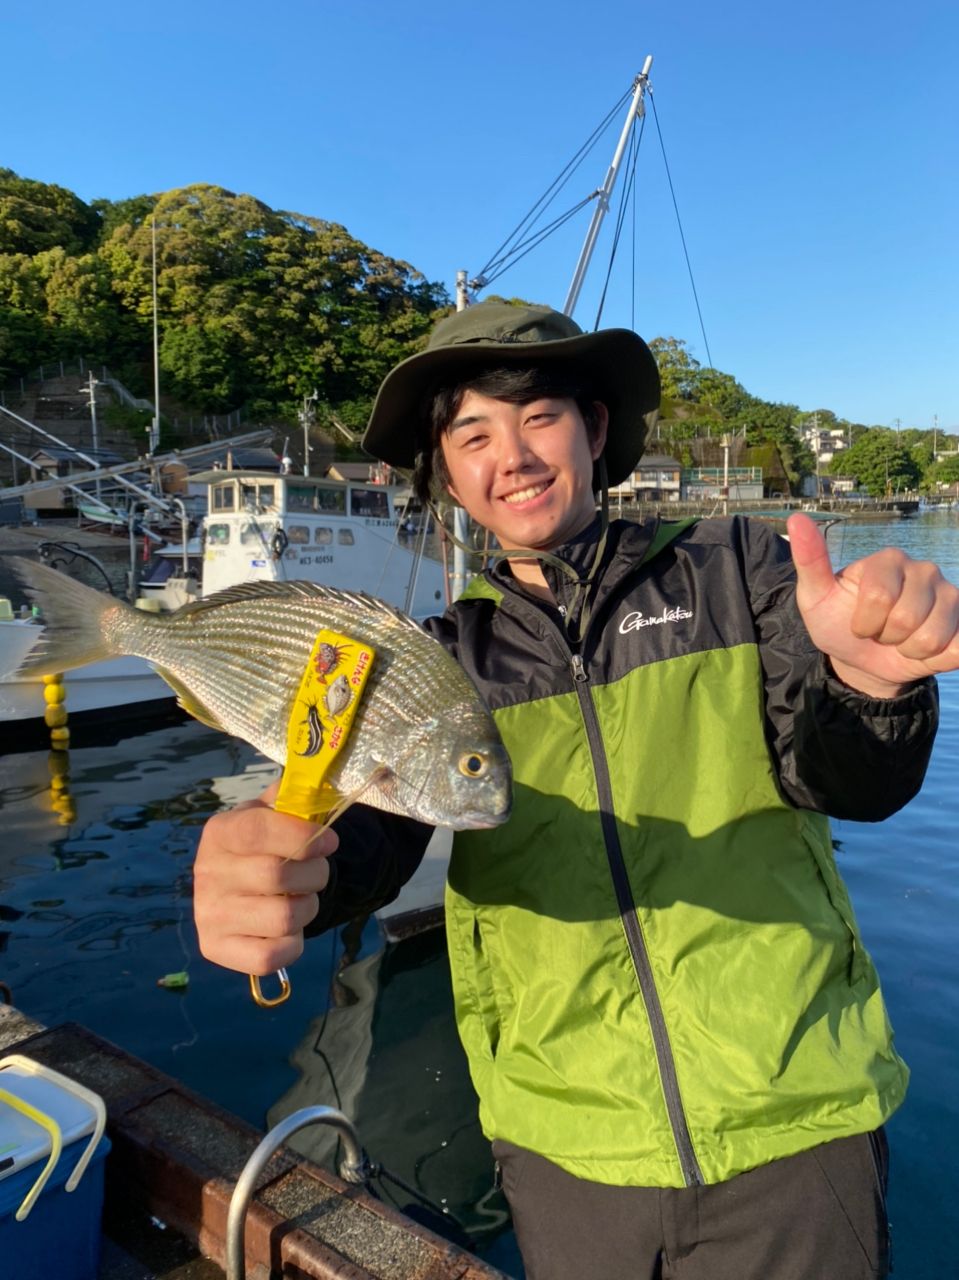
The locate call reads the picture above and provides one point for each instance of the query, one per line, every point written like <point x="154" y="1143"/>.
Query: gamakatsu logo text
<point x="633" y="621"/>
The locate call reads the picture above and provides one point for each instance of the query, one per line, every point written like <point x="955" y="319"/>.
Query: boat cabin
<point x="264" y="526"/>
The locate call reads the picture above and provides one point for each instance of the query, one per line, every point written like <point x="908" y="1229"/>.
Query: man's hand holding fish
<point x="257" y="878"/>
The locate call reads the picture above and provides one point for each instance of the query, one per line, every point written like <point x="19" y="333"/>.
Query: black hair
<point x="515" y="386"/>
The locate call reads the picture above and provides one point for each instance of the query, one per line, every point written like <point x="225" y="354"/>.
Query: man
<point x="677" y="1038"/>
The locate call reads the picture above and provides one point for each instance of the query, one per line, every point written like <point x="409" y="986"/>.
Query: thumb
<point x="814" y="572"/>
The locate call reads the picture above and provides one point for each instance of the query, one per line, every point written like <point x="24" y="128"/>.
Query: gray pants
<point x="820" y="1215"/>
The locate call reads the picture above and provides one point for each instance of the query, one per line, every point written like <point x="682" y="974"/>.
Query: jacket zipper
<point x="634" y="934"/>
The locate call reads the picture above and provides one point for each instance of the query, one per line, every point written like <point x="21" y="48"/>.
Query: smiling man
<point x="678" y="1040"/>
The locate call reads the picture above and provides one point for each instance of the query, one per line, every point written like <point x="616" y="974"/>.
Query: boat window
<point x="248" y="495"/>
<point x="218" y="535"/>
<point x="299" y="497"/>
<point x="370" y="502"/>
<point x="331" y="500"/>
<point x="267" y="495"/>
<point x="251" y="532"/>
<point x="224" y="497"/>
<point x="298" y="533"/>
<point x="323" y="537"/>
<point x="346" y="538"/>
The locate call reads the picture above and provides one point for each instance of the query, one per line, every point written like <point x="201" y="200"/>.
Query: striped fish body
<point x="236" y="661"/>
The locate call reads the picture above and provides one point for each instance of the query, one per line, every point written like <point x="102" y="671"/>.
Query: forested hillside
<point x="258" y="308"/>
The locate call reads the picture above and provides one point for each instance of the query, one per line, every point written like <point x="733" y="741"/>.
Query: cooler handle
<point x="56" y="1146"/>
<point x="78" y="1090"/>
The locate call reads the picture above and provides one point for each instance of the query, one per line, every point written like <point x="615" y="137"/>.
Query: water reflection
<point x="95" y="911"/>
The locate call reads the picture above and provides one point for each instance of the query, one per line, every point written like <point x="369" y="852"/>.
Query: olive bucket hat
<point x="615" y="363"/>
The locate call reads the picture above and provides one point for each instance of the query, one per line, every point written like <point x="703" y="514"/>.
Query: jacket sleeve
<point x="837" y="750"/>
<point x="378" y="851"/>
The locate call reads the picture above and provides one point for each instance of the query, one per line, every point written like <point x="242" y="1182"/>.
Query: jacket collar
<point x="626" y="544"/>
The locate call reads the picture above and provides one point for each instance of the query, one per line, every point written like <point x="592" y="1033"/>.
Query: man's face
<point x="523" y="471"/>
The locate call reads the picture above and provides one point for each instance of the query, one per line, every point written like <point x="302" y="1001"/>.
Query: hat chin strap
<point x="581" y="585"/>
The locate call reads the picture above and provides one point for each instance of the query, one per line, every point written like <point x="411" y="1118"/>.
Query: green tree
<point x="39" y="215"/>
<point x="722" y="393"/>
<point x="677" y="368"/>
<point x="879" y="462"/>
<point x="945" y="473"/>
<point x="263" y="306"/>
<point x="117" y="213"/>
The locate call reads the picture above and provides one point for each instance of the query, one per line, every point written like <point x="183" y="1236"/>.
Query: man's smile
<point x="527" y="494"/>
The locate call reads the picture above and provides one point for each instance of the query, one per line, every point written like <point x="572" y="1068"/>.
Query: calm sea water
<point x="93" y="913"/>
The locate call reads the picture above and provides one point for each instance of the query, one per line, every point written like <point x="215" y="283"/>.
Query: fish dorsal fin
<point x="189" y="702"/>
<point x="246" y="591"/>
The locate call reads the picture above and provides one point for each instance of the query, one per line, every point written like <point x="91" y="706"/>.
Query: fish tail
<point x="73" y="617"/>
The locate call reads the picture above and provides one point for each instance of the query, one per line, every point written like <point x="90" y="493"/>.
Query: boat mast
<point x="461" y="527"/>
<point x="636" y="112"/>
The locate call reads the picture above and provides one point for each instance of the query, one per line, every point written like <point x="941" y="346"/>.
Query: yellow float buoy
<point x="55" y="711"/>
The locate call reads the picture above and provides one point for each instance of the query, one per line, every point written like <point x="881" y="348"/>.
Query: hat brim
<point x="615" y="363"/>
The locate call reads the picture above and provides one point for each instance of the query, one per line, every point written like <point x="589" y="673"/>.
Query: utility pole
<point x="91" y="389"/>
<point x="935" y="434"/>
<point x="154" y="429"/>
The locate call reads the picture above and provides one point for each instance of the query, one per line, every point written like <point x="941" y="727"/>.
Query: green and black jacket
<point x="658" y="976"/>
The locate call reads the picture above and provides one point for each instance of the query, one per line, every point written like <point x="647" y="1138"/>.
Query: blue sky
<point x="813" y="150"/>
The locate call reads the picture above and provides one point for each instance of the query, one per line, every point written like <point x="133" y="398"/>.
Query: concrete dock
<point x="174" y="1162"/>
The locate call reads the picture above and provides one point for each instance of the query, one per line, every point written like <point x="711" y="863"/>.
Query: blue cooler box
<point x="59" y="1239"/>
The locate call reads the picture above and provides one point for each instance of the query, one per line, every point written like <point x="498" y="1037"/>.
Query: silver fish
<point x="236" y="659"/>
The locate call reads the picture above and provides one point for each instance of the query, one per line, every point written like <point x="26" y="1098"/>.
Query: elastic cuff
<point x="919" y="695"/>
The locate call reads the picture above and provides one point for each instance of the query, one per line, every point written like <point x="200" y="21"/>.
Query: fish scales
<point x="236" y="660"/>
<point x="223" y="633"/>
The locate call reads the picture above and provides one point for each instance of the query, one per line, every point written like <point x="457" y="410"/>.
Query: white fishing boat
<point x="265" y="527"/>
<point x="260" y="527"/>
<point x="122" y="688"/>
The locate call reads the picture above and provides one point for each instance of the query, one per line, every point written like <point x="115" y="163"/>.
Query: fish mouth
<point x="482" y="821"/>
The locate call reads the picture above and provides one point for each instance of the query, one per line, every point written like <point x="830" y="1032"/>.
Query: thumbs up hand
<point x="883" y="621"/>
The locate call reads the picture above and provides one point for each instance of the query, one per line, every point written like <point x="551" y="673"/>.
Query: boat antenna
<point x="307" y="416"/>
<point x="636" y="111"/>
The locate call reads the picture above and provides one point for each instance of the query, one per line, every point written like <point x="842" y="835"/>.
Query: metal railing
<point x="214" y="425"/>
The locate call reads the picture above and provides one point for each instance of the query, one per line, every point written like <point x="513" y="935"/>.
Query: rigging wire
<point x="558" y="182"/>
<point x="669" y="179"/>
<point x="503" y="254"/>
<point x="529" y="245"/>
<point x="632" y="272"/>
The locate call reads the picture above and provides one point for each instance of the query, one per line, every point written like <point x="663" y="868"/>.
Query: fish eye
<point x="472" y="765"/>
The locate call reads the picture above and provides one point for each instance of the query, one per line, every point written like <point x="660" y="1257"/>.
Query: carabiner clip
<point x="265" y="1002"/>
